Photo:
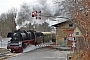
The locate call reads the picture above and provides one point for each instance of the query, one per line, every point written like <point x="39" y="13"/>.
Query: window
<point x="65" y="38"/>
<point x="77" y="33"/>
<point x="71" y="25"/>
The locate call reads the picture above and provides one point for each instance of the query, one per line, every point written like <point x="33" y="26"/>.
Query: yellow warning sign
<point x="77" y="32"/>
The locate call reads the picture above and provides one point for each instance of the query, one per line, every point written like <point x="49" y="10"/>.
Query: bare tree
<point x="80" y="10"/>
<point x="7" y="22"/>
<point x="24" y="14"/>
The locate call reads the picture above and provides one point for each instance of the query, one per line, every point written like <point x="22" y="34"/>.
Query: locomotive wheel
<point x="24" y="45"/>
<point x="11" y="51"/>
<point x="22" y="50"/>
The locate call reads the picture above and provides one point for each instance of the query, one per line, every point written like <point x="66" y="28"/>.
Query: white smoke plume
<point x="47" y="7"/>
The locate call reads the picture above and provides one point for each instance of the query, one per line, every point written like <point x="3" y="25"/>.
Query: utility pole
<point x="1" y="41"/>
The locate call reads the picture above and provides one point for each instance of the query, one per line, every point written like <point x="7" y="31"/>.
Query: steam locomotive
<point x="20" y="39"/>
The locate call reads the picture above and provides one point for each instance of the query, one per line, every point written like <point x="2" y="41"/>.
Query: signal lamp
<point x="33" y="14"/>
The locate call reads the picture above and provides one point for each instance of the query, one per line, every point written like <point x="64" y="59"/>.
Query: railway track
<point x="41" y="54"/>
<point x="5" y="56"/>
<point x="8" y="54"/>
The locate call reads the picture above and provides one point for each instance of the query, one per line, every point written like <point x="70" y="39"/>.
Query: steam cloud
<point x="47" y="7"/>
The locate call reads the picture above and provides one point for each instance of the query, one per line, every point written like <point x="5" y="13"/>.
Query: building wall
<point x="62" y="30"/>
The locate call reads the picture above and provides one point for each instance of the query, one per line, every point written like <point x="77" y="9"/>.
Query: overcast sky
<point x="6" y="5"/>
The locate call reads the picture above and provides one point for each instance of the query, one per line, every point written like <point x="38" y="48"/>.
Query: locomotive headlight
<point x="20" y="43"/>
<point x="9" y="42"/>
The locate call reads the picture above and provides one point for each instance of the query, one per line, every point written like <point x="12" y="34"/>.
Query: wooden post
<point x="78" y="44"/>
